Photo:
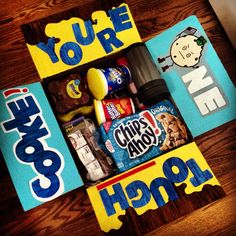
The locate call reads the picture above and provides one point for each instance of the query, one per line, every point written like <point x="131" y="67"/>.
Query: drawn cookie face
<point x="185" y="51"/>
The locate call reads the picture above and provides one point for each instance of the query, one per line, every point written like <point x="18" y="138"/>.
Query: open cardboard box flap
<point x="60" y="44"/>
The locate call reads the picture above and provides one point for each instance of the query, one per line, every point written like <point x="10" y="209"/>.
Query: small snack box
<point x="128" y="139"/>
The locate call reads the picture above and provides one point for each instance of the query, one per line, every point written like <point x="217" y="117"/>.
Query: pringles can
<point x="112" y="109"/>
<point x="151" y="87"/>
<point x="102" y="82"/>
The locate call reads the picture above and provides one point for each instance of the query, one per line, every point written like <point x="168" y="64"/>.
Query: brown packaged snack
<point x="69" y="93"/>
<point x="84" y="138"/>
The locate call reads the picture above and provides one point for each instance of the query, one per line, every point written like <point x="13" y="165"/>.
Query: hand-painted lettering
<point x="117" y="197"/>
<point x="180" y="165"/>
<point x="204" y="91"/>
<point x="75" y="49"/>
<point x="199" y="176"/>
<point x="132" y="191"/>
<point x="89" y="30"/>
<point x="31" y="147"/>
<point x="169" y="188"/>
<point x="210" y="101"/>
<point x="49" y="48"/>
<point x="71" y="53"/>
<point x="120" y="19"/>
<point x="139" y="193"/>
<point x="107" y="37"/>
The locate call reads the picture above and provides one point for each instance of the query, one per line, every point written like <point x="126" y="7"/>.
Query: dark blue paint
<point x="180" y="164"/>
<point x="33" y="130"/>
<point x="107" y="37"/>
<point x="50" y="191"/>
<point x="89" y="31"/>
<point x="120" y="17"/>
<point x="162" y="182"/>
<point x="132" y="191"/>
<point x="199" y="175"/>
<point x="71" y="46"/>
<point x="118" y="197"/>
<point x="49" y="48"/>
<point x="21" y="112"/>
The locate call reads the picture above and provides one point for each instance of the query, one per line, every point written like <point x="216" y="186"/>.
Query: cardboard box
<point x="162" y="189"/>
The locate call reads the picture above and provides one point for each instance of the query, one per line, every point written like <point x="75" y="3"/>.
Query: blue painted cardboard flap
<point x="196" y="78"/>
<point x="33" y="146"/>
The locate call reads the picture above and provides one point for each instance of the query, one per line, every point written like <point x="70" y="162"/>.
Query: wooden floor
<point x="72" y="213"/>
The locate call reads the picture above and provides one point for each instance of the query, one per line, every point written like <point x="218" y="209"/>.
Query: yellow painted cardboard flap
<point x="75" y="42"/>
<point x="150" y="185"/>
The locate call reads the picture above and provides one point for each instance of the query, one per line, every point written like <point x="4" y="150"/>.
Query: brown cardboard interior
<point x="105" y="62"/>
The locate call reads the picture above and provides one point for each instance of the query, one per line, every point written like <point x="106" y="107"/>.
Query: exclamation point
<point x="147" y="115"/>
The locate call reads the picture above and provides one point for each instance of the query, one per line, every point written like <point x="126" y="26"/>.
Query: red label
<point x="117" y="108"/>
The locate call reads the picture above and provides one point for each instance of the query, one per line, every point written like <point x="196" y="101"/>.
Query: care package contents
<point x="111" y="109"/>
<point x="85" y="140"/>
<point x="144" y="135"/>
<point x="102" y="82"/>
<point x="116" y="111"/>
<point x="131" y="84"/>
<point x="151" y="88"/>
<point x="70" y="97"/>
<point x="97" y="94"/>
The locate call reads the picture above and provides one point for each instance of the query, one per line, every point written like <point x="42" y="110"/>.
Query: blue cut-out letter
<point x="158" y="182"/>
<point x="78" y="34"/>
<point x="120" y="17"/>
<point x="49" y="48"/>
<point x="112" y="39"/>
<point x="199" y="175"/>
<point x="110" y="200"/>
<point x="170" y="175"/>
<point x="132" y="191"/>
<point x="75" y="48"/>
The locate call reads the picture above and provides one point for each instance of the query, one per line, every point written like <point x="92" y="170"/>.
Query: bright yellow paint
<point x="63" y="31"/>
<point x="185" y="153"/>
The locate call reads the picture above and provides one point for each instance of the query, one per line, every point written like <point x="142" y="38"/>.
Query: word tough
<point x="31" y="147"/>
<point x="138" y="194"/>
<point x="107" y="38"/>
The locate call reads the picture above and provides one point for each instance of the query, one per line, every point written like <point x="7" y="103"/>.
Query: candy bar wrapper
<point x="144" y="135"/>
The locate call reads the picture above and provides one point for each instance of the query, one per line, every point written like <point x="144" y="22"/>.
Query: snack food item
<point x="151" y="88"/>
<point x="85" y="110"/>
<point x="176" y="133"/>
<point x="84" y="138"/>
<point x="144" y="135"/>
<point x="111" y="109"/>
<point x="69" y="94"/>
<point x="105" y="81"/>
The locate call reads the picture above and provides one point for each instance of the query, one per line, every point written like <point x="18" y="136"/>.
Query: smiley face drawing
<point x="185" y="51"/>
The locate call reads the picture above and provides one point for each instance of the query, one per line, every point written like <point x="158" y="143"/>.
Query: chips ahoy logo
<point x="31" y="147"/>
<point x="138" y="135"/>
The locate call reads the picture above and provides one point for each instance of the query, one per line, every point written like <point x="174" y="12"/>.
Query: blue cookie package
<point x="144" y="135"/>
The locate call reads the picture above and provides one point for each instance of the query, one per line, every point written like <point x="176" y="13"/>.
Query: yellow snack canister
<point x="102" y="82"/>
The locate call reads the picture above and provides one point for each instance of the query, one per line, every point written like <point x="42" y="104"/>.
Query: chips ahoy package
<point x="144" y="135"/>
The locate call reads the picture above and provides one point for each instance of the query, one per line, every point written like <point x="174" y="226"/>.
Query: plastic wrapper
<point x="85" y="140"/>
<point x="144" y="135"/>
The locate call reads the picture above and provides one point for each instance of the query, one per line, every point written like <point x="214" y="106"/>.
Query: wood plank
<point x="218" y="218"/>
